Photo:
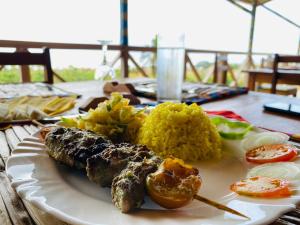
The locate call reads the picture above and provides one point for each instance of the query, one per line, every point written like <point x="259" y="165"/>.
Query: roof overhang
<point x="258" y="2"/>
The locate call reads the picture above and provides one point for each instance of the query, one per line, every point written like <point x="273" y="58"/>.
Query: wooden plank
<point x="35" y="128"/>
<point x="2" y="163"/>
<point x="40" y="217"/>
<point x="14" y="205"/>
<point x="4" y="218"/>
<point x="29" y="129"/>
<point x="4" y="149"/>
<point x="20" y="132"/>
<point x="12" y="138"/>
<point x="282" y="222"/>
<point x="291" y="219"/>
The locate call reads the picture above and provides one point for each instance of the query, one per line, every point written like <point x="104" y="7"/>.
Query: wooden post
<point x="216" y="69"/>
<point x="299" y="46"/>
<point x="124" y="37"/>
<point x="253" y="17"/>
<point x="185" y="66"/>
<point x="25" y="72"/>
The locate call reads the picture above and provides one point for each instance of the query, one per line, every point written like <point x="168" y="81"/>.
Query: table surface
<point x="14" y="211"/>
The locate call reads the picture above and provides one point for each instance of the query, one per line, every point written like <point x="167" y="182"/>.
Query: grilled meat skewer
<point x="128" y="188"/>
<point x="103" y="167"/>
<point x="73" y="147"/>
<point x="125" y="165"/>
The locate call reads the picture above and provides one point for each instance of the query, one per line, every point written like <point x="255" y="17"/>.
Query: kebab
<point x="129" y="169"/>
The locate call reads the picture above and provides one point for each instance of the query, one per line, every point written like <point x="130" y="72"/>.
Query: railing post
<point x="25" y="72"/>
<point x="185" y="65"/>
<point x="221" y="68"/>
<point x="124" y="37"/>
<point x="124" y="62"/>
<point x="215" y="69"/>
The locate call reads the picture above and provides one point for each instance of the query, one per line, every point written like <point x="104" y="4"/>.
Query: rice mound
<point x="182" y="131"/>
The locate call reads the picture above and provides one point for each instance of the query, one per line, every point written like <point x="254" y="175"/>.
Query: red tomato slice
<point x="272" y="153"/>
<point x="263" y="187"/>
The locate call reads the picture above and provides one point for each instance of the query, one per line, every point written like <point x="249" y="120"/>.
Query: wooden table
<point x="286" y="76"/>
<point x="14" y="211"/>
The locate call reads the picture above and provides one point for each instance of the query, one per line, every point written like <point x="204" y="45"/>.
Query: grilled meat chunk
<point x="128" y="188"/>
<point x="73" y="147"/>
<point x="103" y="167"/>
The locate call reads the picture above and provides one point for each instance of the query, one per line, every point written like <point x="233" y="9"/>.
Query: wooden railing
<point x="220" y="68"/>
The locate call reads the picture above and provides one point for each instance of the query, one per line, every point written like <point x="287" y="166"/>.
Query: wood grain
<point x="282" y="222"/>
<point x="14" y="205"/>
<point x="4" y="218"/>
<point x="30" y="129"/>
<point x="40" y="217"/>
<point x="2" y="163"/>
<point x="20" y="132"/>
<point x="12" y="138"/>
<point x="4" y="149"/>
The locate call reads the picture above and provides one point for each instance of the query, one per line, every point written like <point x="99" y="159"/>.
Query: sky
<point x="206" y="24"/>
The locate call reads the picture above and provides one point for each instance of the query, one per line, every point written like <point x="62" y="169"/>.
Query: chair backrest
<point x="281" y="59"/>
<point x="27" y="58"/>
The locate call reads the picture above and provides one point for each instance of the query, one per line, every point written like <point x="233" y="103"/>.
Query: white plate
<point x="71" y="197"/>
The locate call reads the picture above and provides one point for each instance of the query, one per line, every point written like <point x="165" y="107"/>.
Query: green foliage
<point x="12" y="74"/>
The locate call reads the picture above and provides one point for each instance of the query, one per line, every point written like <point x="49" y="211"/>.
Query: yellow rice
<point x="182" y="131"/>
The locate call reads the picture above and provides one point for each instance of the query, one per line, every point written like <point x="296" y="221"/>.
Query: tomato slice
<point x="263" y="187"/>
<point x="272" y="153"/>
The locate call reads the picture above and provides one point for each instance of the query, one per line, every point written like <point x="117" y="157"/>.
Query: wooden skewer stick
<point x="38" y="123"/>
<point x="219" y="206"/>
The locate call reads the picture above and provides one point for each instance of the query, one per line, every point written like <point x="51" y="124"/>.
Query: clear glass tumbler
<point x="170" y="69"/>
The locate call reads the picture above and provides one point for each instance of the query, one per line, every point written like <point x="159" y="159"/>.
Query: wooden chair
<point x="276" y="73"/>
<point x="27" y="58"/>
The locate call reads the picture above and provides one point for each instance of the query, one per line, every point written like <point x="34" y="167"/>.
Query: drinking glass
<point x="104" y="71"/>
<point x="170" y="69"/>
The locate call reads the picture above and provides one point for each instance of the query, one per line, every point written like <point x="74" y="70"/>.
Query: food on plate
<point x="114" y="118"/>
<point x="272" y="153"/>
<point x="289" y="171"/>
<point x="29" y="107"/>
<point x="125" y="166"/>
<point x="264" y="187"/>
<point x="263" y="138"/>
<point x="103" y="167"/>
<point x="180" y="130"/>
<point x="174" y="184"/>
<point x="73" y="147"/>
<point x="59" y="105"/>
<point x="128" y="188"/>
<point x="231" y="129"/>
<point x="76" y="148"/>
<point x="21" y="112"/>
<point x="44" y="131"/>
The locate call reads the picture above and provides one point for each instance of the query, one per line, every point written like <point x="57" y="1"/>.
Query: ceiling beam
<point x="252" y="28"/>
<point x="240" y="6"/>
<point x="281" y="16"/>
